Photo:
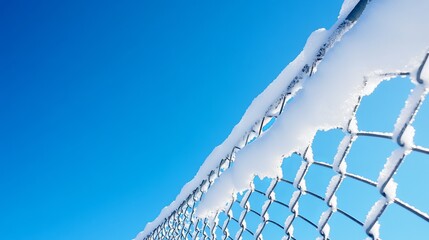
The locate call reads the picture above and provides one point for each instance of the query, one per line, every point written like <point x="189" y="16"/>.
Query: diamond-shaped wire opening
<point x="368" y="155"/>
<point x="290" y="166"/>
<point x="379" y="111"/>
<point x="343" y="227"/>
<point x="278" y="212"/>
<point x="247" y="235"/>
<point x="318" y="178"/>
<point x="356" y="197"/>
<point x="261" y="184"/>
<point x="325" y="145"/>
<point x="399" y="223"/>
<point x="412" y="178"/>
<point x="283" y="192"/>
<point x="304" y="229"/>
<point x="253" y="219"/>
<point x="272" y="231"/>
<point x="311" y="207"/>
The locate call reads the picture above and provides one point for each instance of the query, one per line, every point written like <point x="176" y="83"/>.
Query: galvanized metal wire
<point x="232" y="223"/>
<point x="182" y="224"/>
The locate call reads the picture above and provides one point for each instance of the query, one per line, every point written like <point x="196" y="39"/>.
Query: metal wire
<point x="181" y="224"/>
<point x="231" y="223"/>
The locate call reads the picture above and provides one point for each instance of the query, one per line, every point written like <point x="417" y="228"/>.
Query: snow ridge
<point x="314" y="107"/>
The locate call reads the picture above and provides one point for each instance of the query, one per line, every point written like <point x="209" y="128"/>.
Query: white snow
<point x="326" y="229"/>
<point x="270" y="189"/>
<point x="309" y="157"/>
<point x="244" y="201"/>
<point x="353" y="126"/>
<point x="371" y="217"/>
<point x="333" y="203"/>
<point x="340" y="152"/>
<point x="410" y="105"/>
<point x="242" y="215"/>
<point x="266" y="216"/>
<point x="299" y="178"/>
<point x="260" y="226"/>
<point x="374" y="44"/>
<point x="230" y="213"/>
<point x="288" y="224"/>
<point x="236" y="236"/>
<point x="293" y="202"/>
<point x="347" y="7"/>
<point x="372" y="80"/>
<point x="380" y="41"/>
<point x="390" y="190"/>
<point x="392" y="161"/>
<point x="407" y="137"/>
<point x="329" y="195"/>
<point x="224" y="225"/>
<point x="322" y="222"/>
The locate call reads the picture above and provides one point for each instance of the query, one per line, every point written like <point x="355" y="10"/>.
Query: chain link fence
<point x="264" y="210"/>
<point x="283" y="209"/>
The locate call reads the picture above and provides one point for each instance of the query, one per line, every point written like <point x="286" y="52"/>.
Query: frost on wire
<point x="327" y="81"/>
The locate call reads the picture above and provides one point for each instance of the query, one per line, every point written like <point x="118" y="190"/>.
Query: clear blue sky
<point x="107" y="109"/>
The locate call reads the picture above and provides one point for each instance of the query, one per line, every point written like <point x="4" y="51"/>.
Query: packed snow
<point x="383" y="180"/>
<point x="375" y="44"/>
<point x="408" y="133"/>
<point x="371" y="224"/>
<point x="329" y="195"/>
<point x="288" y="224"/>
<point x="323" y="225"/>
<point x="325" y="101"/>
<point x="345" y="143"/>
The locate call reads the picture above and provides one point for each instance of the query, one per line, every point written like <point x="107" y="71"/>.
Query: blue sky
<point x="107" y="109"/>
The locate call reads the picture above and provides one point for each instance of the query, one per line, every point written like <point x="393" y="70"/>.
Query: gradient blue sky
<point x="107" y="109"/>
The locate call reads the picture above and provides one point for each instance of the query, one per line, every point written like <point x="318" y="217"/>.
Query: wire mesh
<point x="284" y="208"/>
<point x="241" y="221"/>
<point x="303" y="203"/>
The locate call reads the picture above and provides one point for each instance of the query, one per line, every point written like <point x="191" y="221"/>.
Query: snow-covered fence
<point x="182" y="224"/>
<point x="287" y="202"/>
